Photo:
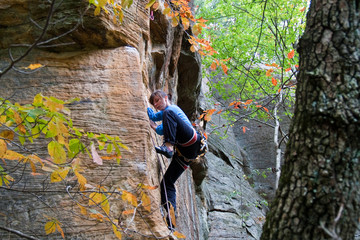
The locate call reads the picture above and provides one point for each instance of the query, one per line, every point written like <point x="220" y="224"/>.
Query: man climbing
<point x="182" y="143"/>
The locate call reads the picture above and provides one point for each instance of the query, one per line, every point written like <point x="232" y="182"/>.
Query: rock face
<point x="113" y="68"/>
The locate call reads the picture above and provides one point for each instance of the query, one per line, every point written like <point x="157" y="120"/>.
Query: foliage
<point x="256" y="60"/>
<point x="178" y="12"/>
<point x="47" y="120"/>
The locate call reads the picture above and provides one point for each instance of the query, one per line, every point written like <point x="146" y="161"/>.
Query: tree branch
<point x="21" y="234"/>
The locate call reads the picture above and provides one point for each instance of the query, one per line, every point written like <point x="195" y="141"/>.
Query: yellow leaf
<point x="53" y="105"/>
<point x="59" y="174"/>
<point x="166" y="11"/>
<point x="83" y="210"/>
<point x="95" y="198"/>
<point x="3" y="119"/>
<point x="7" y="179"/>
<point x="57" y="152"/>
<point x="19" y="121"/>
<point x="179" y="235"/>
<point x="34" y="66"/>
<point x="172" y="215"/>
<point x="11" y="155"/>
<point x="81" y="180"/>
<point x="185" y="23"/>
<point x="126" y="196"/>
<point x="8" y="134"/>
<point x="3" y="148"/>
<point x="148" y="187"/>
<point x="150" y="3"/>
<point x="50" y="227"/>
<point x="97" y="11"/>
<point x="116" y="232"/>
<point x="146" y="202"/>
<point x="174" y="21"/>
<point x="38" y="100"/>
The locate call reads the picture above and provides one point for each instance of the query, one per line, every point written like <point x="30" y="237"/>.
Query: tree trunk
<point x="319" y="189"/>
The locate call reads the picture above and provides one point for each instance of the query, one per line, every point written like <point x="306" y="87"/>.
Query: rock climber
<point x="182" y="142"/>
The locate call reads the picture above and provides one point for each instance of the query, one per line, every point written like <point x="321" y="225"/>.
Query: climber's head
<point x="160" y="100"/>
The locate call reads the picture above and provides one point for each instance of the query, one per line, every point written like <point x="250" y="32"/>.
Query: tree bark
<point x="319" y="190"/>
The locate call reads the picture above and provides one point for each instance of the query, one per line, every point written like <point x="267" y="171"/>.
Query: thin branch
<point x="14" y="61"/>
<point x="21" y="234"/>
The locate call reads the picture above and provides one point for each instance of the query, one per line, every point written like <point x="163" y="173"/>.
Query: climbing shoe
<point x="164" y="151"/>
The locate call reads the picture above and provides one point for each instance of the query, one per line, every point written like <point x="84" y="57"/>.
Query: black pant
<point x="177" y="131"/>
<point x="168" y="191"/>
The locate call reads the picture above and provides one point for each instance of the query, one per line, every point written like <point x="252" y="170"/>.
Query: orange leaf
<point x="213" y="66"/>
<point x="274" y="81"/>
<point x="205" y="135"/>
<point x="248" y="102"/>
<point x="34" y="66"/>
<point x="126" y="196"/>
<point x="291" y="54"/>
<point x="179" y="235"/>
<point x="172" y="215"/>
<point x="268" y="72"/>
<point x="288" y="69"/>
<point x="244" y="129"/>
<point x="296" y="66"/>
<point x="224" y="68"/>
<point x="302" y="9"/>
<point x="267" y="110"/>
<point x="128" y="212"/>
<point x="60" y="230"/>
<point x="208" y="114"/>
<point x="110" y="157"/>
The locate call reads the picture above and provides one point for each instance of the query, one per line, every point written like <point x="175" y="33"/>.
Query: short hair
<point x="159" y="93"/>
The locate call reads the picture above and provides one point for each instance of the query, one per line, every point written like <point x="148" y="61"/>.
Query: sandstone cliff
<point x="113" y="68"/>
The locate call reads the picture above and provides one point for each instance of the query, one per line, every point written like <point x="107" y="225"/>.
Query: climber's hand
<point x="150" y="113"/>
<point x="153" y="125"/>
